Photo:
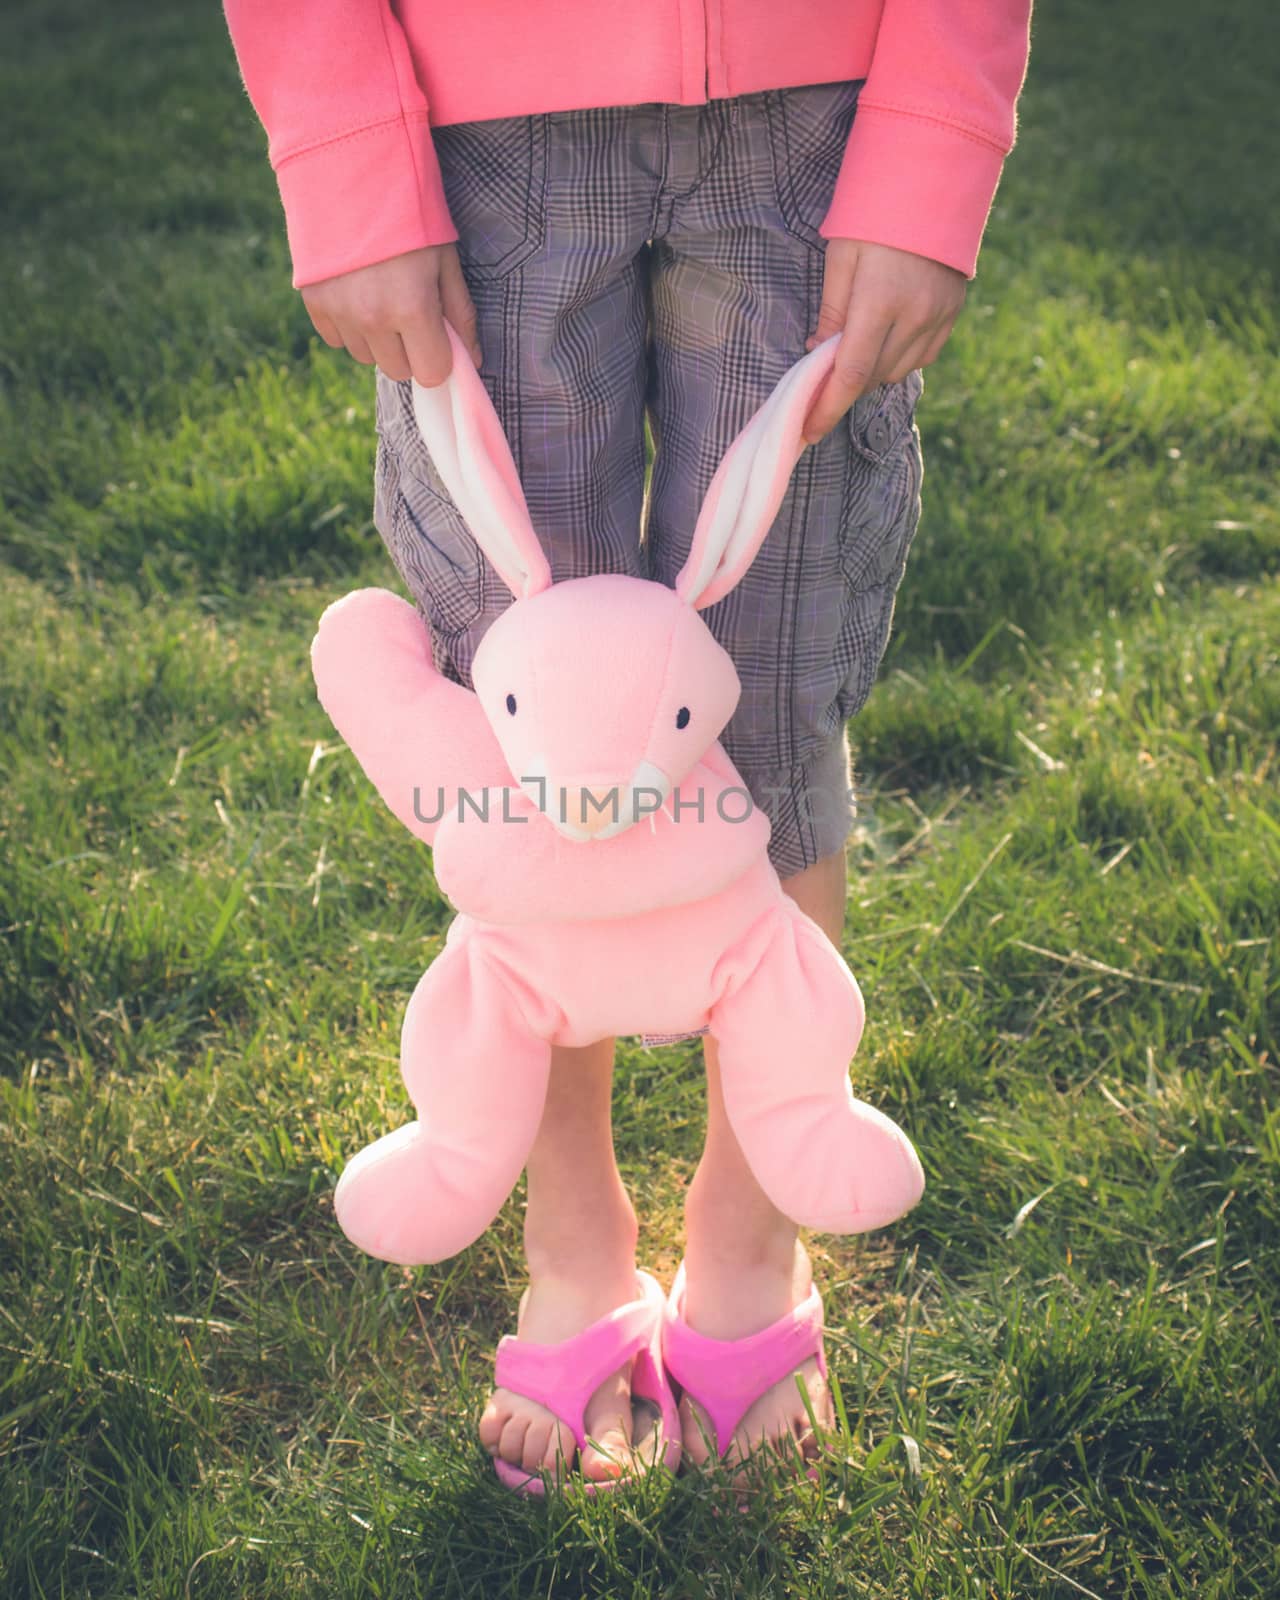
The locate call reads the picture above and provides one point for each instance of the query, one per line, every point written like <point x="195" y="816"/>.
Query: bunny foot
<point x="787" y="1027"/>
<point x="478" y="1080"/>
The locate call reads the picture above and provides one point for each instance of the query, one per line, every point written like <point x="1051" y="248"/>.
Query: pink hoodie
<point x="349" y="90"/>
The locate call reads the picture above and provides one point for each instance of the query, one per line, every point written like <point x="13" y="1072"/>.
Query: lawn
<point x="1059" y="1374"/>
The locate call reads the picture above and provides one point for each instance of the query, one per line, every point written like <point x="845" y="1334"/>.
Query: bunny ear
<point x="469" y="450"/>
<point x="750" y="482"/>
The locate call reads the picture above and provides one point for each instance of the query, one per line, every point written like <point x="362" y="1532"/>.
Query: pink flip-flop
<point x="564" y="1376"/>
<point x="726" y="1376"/>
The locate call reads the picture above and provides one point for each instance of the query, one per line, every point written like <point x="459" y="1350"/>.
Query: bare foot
<point x="525" y="1433"/>
<point x="728" y="1300"/>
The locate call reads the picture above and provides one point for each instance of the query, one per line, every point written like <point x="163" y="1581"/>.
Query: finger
<point x="837" y="285"/>
<point x="427" y="350"/>
<point x="924" y="344"/>
<point x="906" y="361"/>
<point x="921" y="351"/>
<point x="357" y="345"/>
<point x="389" y="355"/>
<point x="869" y="328"/>
<point x="857" y="359"/>
<point x="937" y="344"/>
<point x="458" y="306"/>
<point x="903" y="340"/>
<point x="326" y="327"/>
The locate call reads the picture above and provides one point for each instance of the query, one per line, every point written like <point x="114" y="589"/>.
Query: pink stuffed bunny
<point x="609" y="871"/>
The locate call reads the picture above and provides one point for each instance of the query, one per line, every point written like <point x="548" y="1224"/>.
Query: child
<point x="653" y="211"/>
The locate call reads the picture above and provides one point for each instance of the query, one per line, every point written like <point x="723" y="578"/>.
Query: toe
<point x="536" y="1440"/>
<point x="492" y="1421"/>
<point x="561" y="1449"/>
<point x="511" y="1444"/>
<point x="696" y="1432"/>
<point x="816" y="1444"/>
<point x="778" y="1425"/>
<point x="608" y="1457"/>
<point x="608" y="1424"/>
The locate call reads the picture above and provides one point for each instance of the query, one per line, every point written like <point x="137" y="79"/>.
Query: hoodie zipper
<point x="695" y="66"/>
<point x="714" y="77"/>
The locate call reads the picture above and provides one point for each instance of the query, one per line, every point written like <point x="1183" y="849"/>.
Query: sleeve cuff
<point x="363" y="197"/>
<point x="917" y="184"/>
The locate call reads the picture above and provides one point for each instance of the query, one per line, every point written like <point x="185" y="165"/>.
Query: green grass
<point x="1059" y="1373"/>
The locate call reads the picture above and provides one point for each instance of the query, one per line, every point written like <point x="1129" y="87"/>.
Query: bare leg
<point x="580" y="1244"/>
<point x="744" y="1264"/>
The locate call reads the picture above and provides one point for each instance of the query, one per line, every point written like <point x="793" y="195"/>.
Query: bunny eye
<point x="511" y="704"/>
<point x="682" y="717"/>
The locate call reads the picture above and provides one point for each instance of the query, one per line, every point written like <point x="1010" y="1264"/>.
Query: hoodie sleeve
<point x="934" y="123"/>
<point x="347" y="130"/>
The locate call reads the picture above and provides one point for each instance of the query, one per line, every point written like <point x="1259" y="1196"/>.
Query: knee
<point x="820" y="890"/>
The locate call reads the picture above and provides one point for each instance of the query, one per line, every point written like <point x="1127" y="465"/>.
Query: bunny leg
<point x="477" y="1076"/>
<point x="787" y="1029"/>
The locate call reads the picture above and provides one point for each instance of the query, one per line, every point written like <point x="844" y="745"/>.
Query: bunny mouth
<point x="591" y="809"/>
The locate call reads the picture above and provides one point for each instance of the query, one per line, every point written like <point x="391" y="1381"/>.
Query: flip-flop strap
<point x="564" y="1376"/>
<point x="726" y="1376"/>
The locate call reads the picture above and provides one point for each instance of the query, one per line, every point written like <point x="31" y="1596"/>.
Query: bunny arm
<point x="787" y="1022"/>
<point x="514" y="867"/>
<point x="413" y="731"/>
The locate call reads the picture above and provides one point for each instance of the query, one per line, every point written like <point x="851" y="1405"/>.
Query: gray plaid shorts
<point x="664" y="263"/>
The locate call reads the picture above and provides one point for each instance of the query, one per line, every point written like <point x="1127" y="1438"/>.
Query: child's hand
<point x="895" y="310"/>
<point x="393" y="313"/>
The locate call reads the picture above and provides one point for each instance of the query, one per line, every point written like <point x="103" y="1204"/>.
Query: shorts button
<point x="878" y="433"/>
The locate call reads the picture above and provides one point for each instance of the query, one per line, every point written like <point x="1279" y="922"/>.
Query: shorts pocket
<point x="441" y="564"/>
<point x="495" y="176"/>
<point x="878" y="419"/>
<point x="881" y="510"/>
<point x="879" y="521"/>
<point x="808" y="131"/>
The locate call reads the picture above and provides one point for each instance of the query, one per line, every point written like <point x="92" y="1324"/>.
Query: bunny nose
<point x="591" y="804"/>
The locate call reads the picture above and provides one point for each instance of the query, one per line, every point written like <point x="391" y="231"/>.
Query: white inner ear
<point x="483" y="499"/>
<point x="724" y="532"/>
<point x="748" y="472"/>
